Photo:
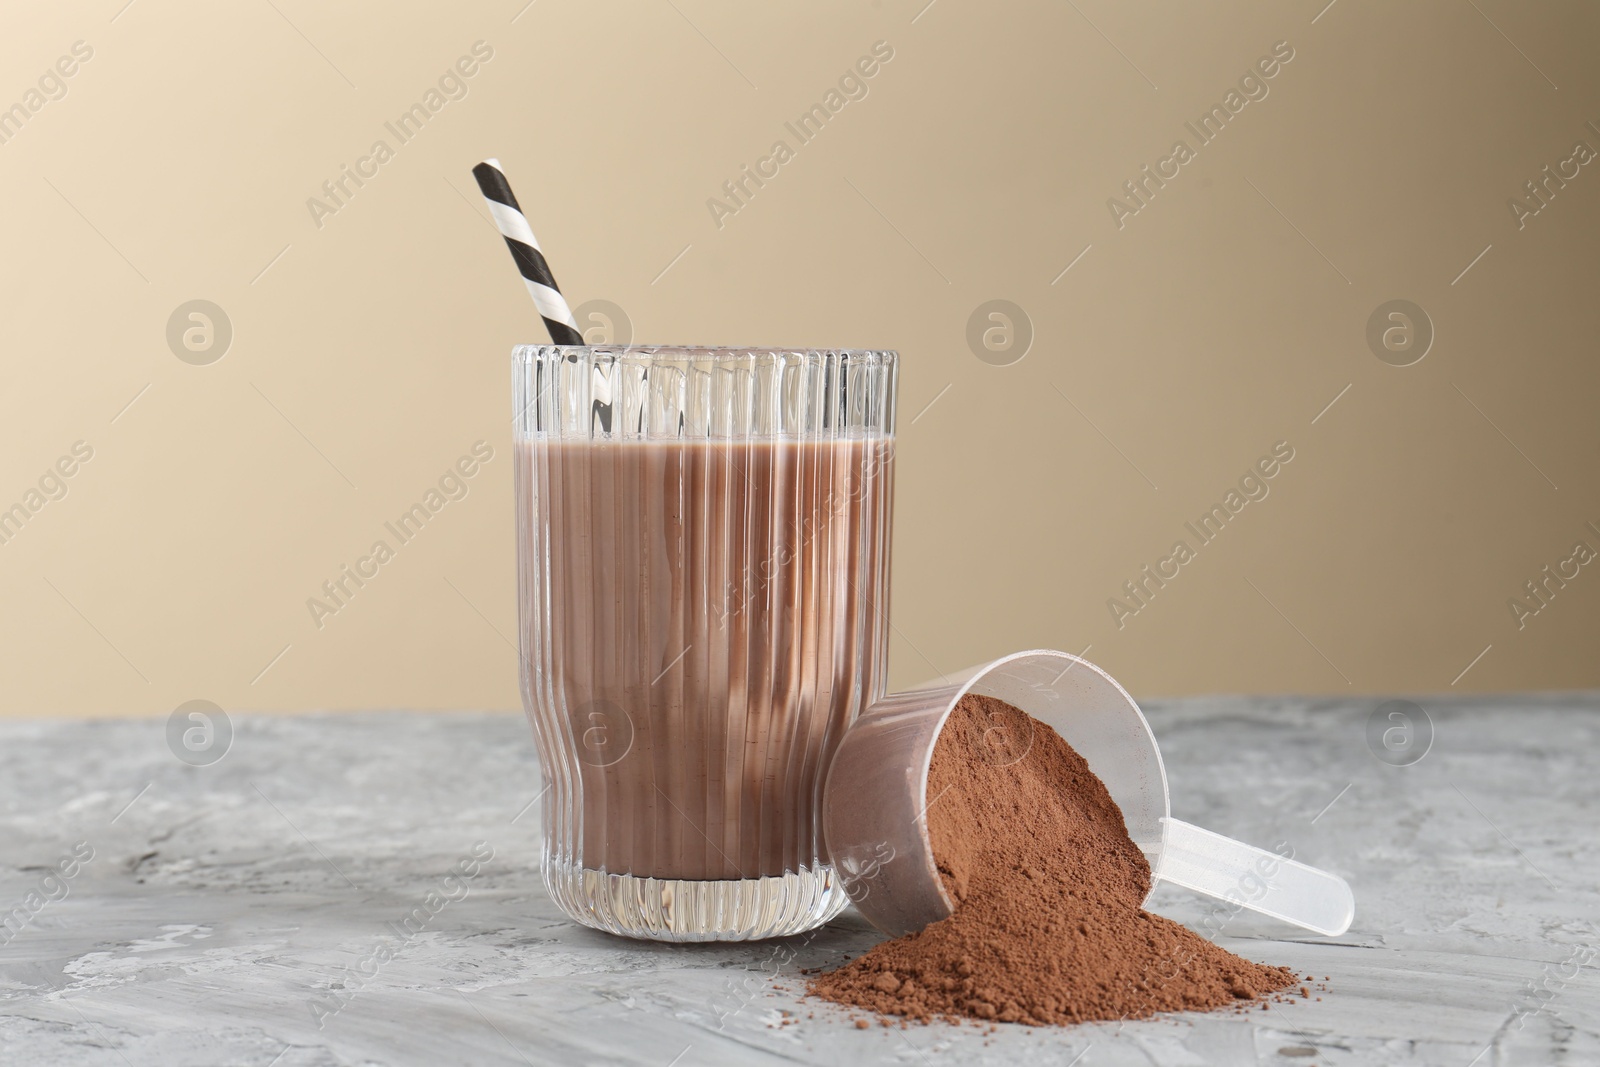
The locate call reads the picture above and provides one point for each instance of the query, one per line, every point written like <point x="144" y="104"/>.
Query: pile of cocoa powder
<point x="1048" y="926"/>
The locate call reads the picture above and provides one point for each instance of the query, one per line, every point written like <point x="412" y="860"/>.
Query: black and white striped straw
<point x="524" y="247"/>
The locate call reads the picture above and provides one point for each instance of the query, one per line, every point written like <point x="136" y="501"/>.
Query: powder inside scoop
<point x="1048" y="926"/>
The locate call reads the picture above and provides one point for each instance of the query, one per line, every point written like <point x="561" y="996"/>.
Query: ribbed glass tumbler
<point x="703" y="565"/>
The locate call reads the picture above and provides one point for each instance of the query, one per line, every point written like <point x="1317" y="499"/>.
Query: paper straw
<point x="524" y="247"/>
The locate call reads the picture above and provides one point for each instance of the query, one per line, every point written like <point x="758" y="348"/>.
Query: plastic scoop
<point x="875" y="804"/>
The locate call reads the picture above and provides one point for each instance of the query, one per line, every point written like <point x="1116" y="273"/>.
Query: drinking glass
<point x="703" y="567"/>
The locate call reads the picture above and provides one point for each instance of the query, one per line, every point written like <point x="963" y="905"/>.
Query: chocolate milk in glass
<point x="702" y="617"/>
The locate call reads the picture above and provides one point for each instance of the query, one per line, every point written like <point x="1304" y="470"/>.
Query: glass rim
<point x="712" y="352"/>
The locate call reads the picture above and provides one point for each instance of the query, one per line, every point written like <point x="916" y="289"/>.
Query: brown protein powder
<point x="1048" y="926"/>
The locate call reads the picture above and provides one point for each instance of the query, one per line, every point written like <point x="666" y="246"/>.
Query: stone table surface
<point x="223" y="905"/>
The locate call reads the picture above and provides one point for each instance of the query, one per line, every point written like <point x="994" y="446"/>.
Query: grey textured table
<point x="229" y="910"/>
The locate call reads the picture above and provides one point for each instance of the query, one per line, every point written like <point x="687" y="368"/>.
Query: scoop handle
<point x="1254" y="878"/>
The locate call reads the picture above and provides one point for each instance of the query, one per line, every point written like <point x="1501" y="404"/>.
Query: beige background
<point x="1224" y="317"/>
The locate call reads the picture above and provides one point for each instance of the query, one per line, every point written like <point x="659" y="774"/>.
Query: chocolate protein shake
<point x="708" y="639"/>
<point x="703" y="566"/>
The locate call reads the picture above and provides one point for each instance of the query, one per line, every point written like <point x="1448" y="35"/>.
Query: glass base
<point x="744" y="909"/>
